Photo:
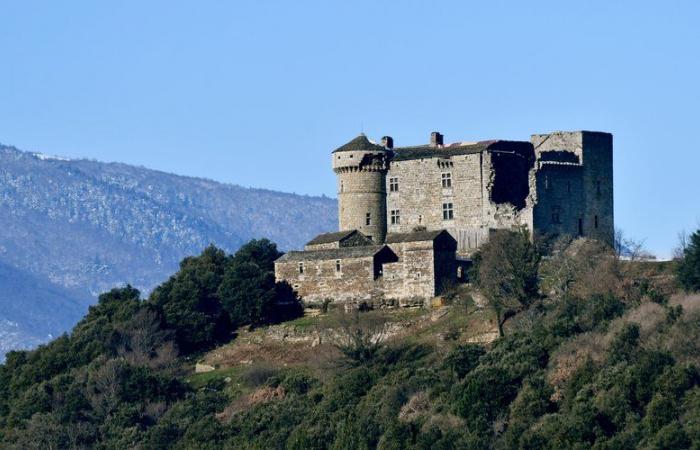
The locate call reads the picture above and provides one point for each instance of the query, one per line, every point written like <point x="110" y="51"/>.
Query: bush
<point x="464" y="358"/>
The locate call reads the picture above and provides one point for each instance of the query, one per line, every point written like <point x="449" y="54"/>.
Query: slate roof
<point x="363" y="251"/>
<point x="413" y="236"/>
<point x="360" y="143"/>
<point x="328" y="238"/>
<point x="426" y="151"/>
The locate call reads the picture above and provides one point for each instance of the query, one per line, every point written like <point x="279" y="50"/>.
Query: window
<point x="393" y="184"/>
<point x="341" y="187"/>
<point x="580" y="227"/>
<point x="337" y="265"/>
<point x="395" y="217"/>
<point x="368" y="219"/>
<point x="301" y="268"/>
<point x="447" y="212"/>
<point x="447" y="180"/>
<point x="420" y="218"/>
<point x="596" y="221"/>
<point x="555" y="215"/>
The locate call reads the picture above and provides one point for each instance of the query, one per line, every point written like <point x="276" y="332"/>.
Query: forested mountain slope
<point x="82" y="227"/>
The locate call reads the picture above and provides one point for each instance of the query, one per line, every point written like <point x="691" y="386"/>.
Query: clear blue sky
<point x="258" y="93"/>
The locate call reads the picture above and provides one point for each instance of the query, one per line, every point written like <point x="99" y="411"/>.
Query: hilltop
<point x="604" y="353"/>
<point x="72" y="229"/>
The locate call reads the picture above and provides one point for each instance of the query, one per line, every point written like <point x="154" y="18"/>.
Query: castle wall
<point x="320" y="280"/>
<point x="593" y="151"/>
<point x="413" y="276"/>
<point x="560" y="200"/>
<point x="481" y="191"/>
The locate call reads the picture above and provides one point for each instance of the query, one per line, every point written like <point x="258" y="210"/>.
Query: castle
<point x="410" y="217"/>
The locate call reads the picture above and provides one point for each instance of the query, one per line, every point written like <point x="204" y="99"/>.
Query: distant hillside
<point x="74" y="228"/>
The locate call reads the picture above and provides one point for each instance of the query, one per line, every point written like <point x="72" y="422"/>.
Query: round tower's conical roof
<point x="360" y="143"/>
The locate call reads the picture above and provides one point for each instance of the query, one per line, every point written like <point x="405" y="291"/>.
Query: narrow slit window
<point x="337" y="265"/>
<point x="595" y="221"/>
<point x="580" y="227"/>
<point x="301" y="268"/>
<point x="368" y="219"/>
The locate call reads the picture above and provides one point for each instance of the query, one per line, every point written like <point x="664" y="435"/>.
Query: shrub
<point x="464" y="358"/>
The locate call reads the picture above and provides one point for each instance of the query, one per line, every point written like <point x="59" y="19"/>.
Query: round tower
<point x="361" y="167"/>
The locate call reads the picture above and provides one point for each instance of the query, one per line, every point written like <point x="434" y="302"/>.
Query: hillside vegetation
<point x="601" y="353"/>
<point x="77" y="228"/>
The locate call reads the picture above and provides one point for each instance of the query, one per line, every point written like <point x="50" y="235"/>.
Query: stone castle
<point x="410" y="217"/>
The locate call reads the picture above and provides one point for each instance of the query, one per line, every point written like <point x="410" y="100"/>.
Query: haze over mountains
<point x="71" y="229"/>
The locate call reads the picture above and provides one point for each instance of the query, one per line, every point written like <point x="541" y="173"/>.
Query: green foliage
<point x="190" y="303"/>
<point x="464" y="358"/>
<point x="117" y="381"/>
<point x="248" y="291"/>
<point x="688" y="268"/>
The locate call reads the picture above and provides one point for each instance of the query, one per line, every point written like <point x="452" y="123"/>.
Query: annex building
<point x="409" y="216"/>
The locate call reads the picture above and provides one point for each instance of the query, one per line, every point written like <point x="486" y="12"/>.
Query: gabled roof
<point x="363" y="251"/>
<point x="415" y="236"/>
<point x="360" y="143"/>
<point x="328" y="238"/>
<point x="446" y="151"/>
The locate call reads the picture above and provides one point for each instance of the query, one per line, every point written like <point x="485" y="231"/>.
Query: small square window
<point x="447" y="180"/>
<point x="395" y="217"/>
<point x="447" y="211"/>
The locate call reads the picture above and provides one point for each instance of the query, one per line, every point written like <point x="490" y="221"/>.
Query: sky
<point x="259" y="93"/>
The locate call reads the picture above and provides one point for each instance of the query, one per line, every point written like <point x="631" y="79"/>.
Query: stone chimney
<point x="388" y="142"/>
<point x="436" y="139"/>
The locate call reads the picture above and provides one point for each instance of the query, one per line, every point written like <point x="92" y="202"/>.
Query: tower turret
<point x="361" y="167"/>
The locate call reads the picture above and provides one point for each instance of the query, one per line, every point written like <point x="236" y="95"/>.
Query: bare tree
<point x="506" y="272"/>
<point x="359" y="336"/>
<point x="145" y="343"/>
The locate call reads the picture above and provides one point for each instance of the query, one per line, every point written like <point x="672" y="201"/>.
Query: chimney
<point x="436" y="139"/>
<point x="388" y="142"/>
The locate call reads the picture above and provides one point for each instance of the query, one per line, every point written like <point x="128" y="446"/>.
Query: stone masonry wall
<point x="420" y="198"/>
<point x="413" y="276"/>
<point x="361" y="190"/>
<point x="320" y="280"/>
<point x="594" y="151"/>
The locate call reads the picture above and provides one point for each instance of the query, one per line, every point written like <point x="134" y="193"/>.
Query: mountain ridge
<point x="87" y="226"/>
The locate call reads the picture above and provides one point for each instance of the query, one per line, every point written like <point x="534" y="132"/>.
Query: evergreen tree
<point x="688" y="269"/>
